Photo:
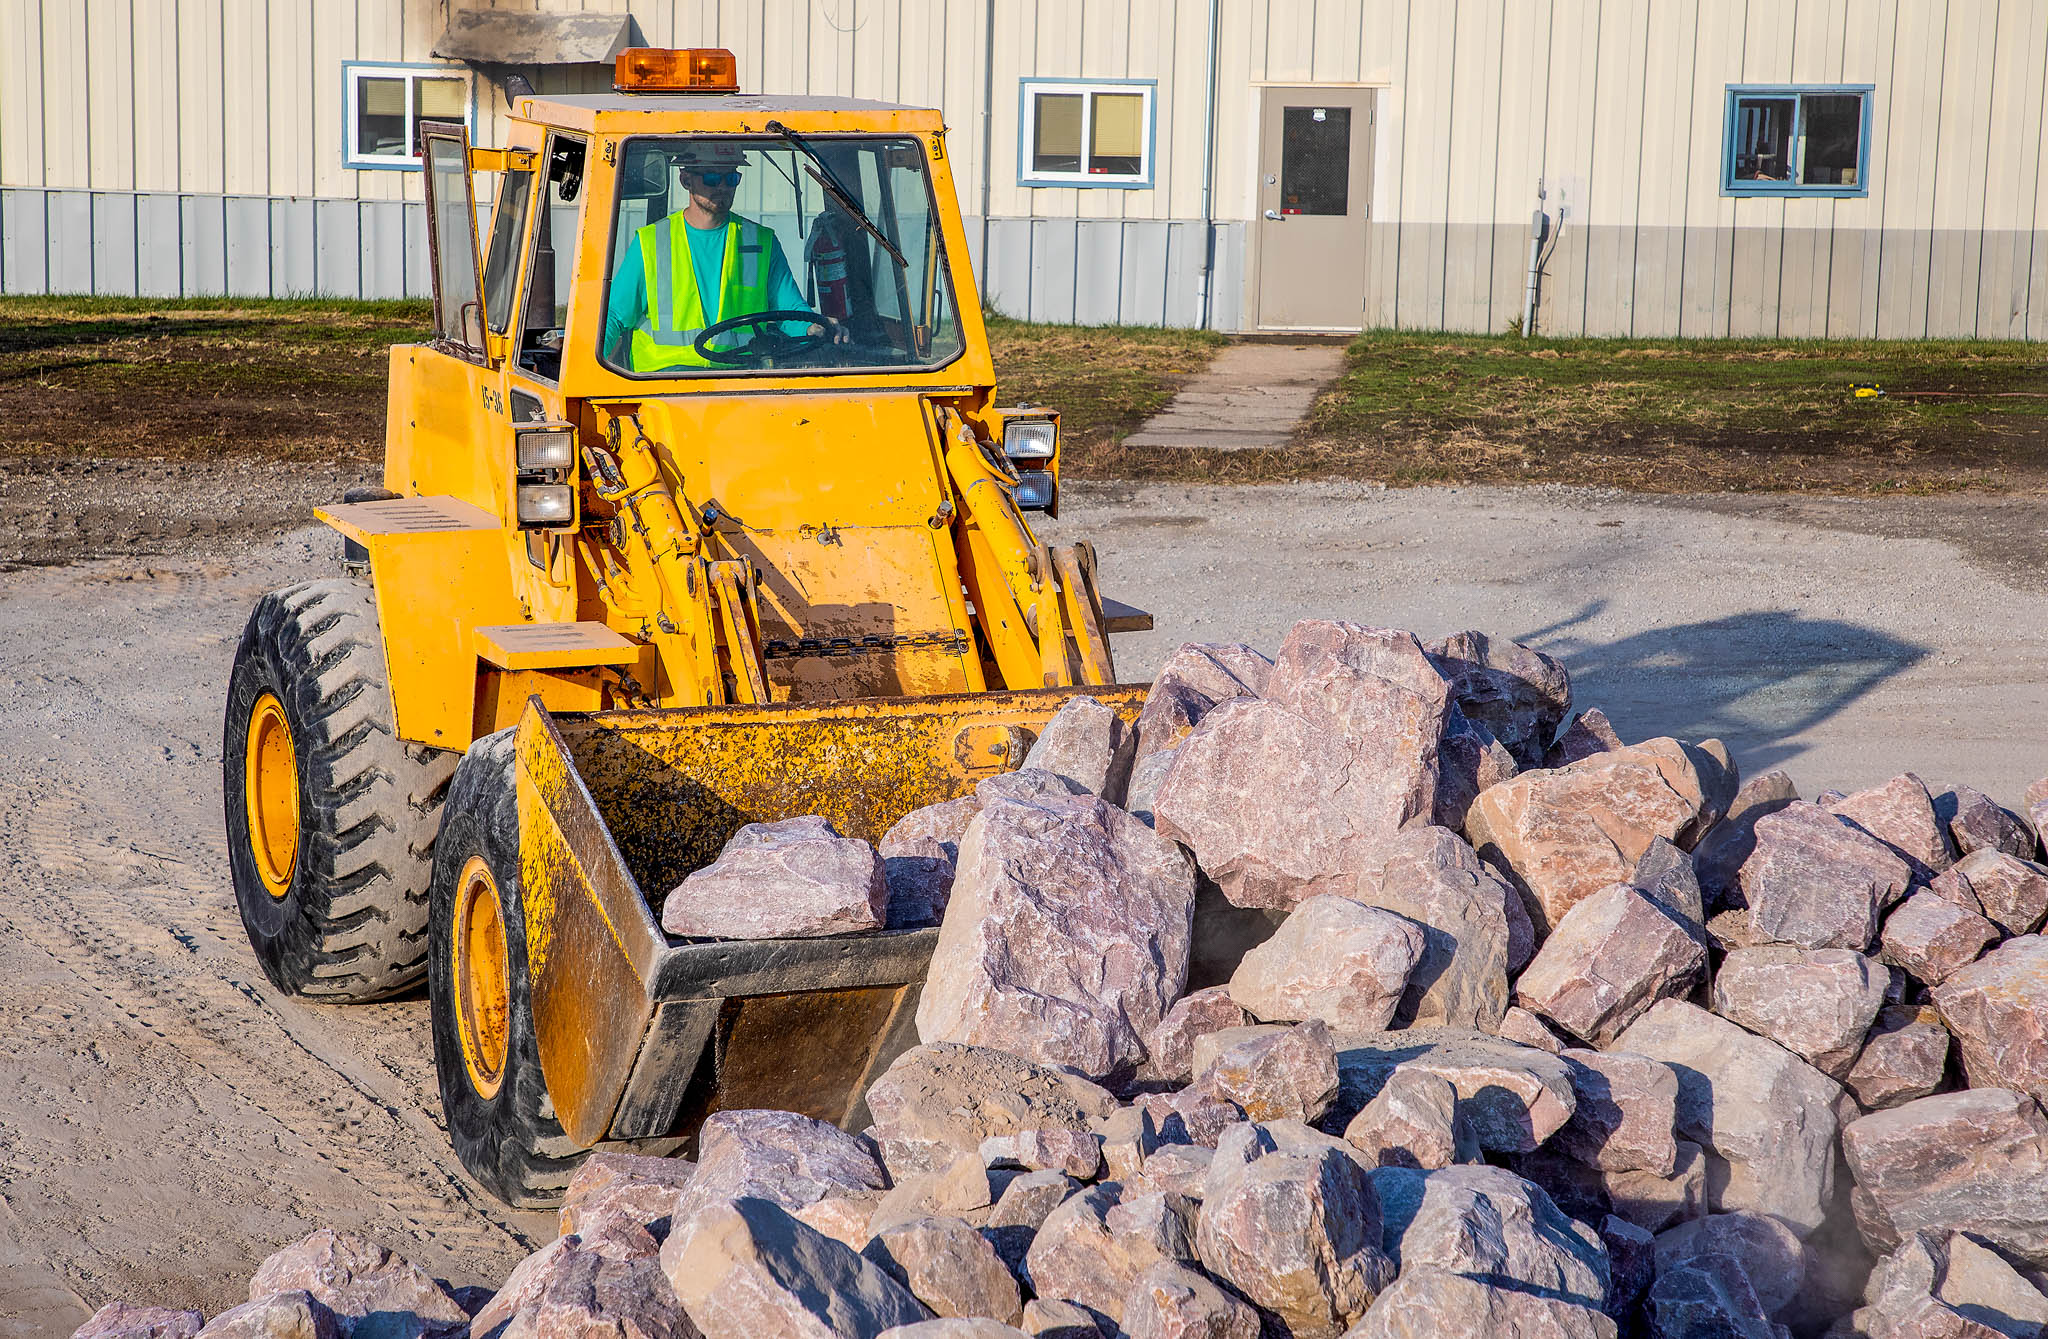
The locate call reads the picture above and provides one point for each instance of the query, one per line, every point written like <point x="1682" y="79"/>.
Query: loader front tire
<point x="494" y="1097"/>
<point x="331" y="817"/>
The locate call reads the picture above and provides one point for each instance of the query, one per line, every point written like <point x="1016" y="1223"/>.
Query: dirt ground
<point x="166" y="1119"/>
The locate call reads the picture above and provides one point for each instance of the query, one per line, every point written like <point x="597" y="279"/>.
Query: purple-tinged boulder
<point x="1141" y="797"/>
<point x="1564" y="835"/>
<point x="1932" y="938"/>
<point x="779" y="1156"/>
<point x="793" y="879"/>
<point x="2036" y="804"/>
<point x="1334" y="959"/>
<point x="1722" y="852"/>
<point x="1297" y="1231"/>
<point x="949" y="1267"/>
<point x="1079" y="1255"/>
<point x="939" y="1101"/>
<point x="1488" y="1223"/>
<point x="1414" y="1121"/>
<point x="1666" y="876"/>
<point x="1904" y="1058"/>
<point x="1997" y="1007"/>
<point x="288" y="1315"/>
<point x="1087" y="743"/>
<point x="1631" y="1265"/>
<point x="1194" y="680"/>
<point x="1976" y="822"/>
<point x="1764" y="1114"/>
<point x="1076" y="1153"/>
<point x="2010" y="892"/>
<point x="1055" y="1318"/>
<point x="918" y="858"/>
<point x="846" y="1217"/>
<point x="1654" y="1202"/>
<point x="1172" y="1301"/>
<point x="1589" y="734"/>
<point x="1190" y="1116"/>
<point x="1469" y="918"/>
<point x="1515" y="1097"/>
<point x="744" y="1269"/>
<point x="642" y="1188"/>
<point x="1021" y="1210"/>
<point x="1521" y="1026"/>
<point x="1900" y="813"/>
<point x="1170" y="1046"/>
<point x="1285" y="1074"/>
<point x="955" y="1327"/>
<point x="1610" y="957"/>
<point x="1469" y="760"/>
<point x="1427" y="1303"/>
<point x="359" y="1280"/>
<point x="124" y="1320"/>
<point x="1708" y="1297"/>
<point x="1815" y="881"/>
<point x="1518" y="694"/>
<point x="963" y="1188"/>
<point x="1066" y="938"/>
<point x="1973" y="1161"/>
<point x="1175" y="1169"/>
<point x="607" y="1282"/>
<point x="1626" y="1107"/>
<point x="1771" y="1254"/>
<point x="1816" y="1003"/>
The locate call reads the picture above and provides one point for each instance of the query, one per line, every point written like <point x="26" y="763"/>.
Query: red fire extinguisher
<point x="828" y="268"/>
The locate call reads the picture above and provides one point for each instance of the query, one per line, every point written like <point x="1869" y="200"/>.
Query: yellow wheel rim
<point x="483" y="1003"/>
<point x="270" y="788"/>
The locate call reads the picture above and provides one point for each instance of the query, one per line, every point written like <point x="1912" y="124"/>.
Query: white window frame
<point x="1027" y="131"/>
<point x="354" y="71"/>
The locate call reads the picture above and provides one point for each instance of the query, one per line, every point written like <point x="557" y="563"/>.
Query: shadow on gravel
<point x="1757" y="680"/>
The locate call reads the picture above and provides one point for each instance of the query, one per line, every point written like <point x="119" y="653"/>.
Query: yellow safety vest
<point x="667" y="335"/>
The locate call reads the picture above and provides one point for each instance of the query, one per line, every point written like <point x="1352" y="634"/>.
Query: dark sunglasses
<point x="716" y="178"/>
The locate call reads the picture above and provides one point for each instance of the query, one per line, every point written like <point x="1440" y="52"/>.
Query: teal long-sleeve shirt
<point x="626" y="304"/>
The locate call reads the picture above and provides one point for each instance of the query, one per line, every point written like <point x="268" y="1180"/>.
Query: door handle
<point x="1275" y="215"/>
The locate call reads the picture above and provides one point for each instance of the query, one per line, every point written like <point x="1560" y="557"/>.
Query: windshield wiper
<point x="827" y="182"/>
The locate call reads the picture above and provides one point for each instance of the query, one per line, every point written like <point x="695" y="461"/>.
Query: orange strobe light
<point x="654" y="69"/>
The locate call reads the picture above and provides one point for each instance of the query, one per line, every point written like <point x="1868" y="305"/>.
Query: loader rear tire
<point x="331" y="817"/>
<point x="494" y="1097"/>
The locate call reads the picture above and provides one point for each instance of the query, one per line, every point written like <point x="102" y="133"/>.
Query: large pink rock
<point x="1566" y="834"/>
<point x="1334" y="959"/>
<point x="949" y="1267"/>
<point x="1932" y="937"/>
<point x="1900" y="813"/>
<point x="1170" y="1047"/>
<point x="1904" y="1058"/>
<point x="1297" y="1231"/>
<point x="1414" y="1121"/>
<point x="1469" y="760"/>
<point x="1066" y="939"/>
<point x="744" y="1269"/>
<point x="124" y="1320"/>
<point x="1997" y="1007"/>
<point x="2010" y="892"/>
<point x="1285" y="1073"/>
<point x="1610" y="957"/>
<point x="1626" y="1106"/>
<point x="643" y="1189"/>
<point x="1771" y="1254"/>
<point x="1815" y="881"/>
<point x="289" y="1315"/>
<point x="1976" y="822"/>
<point x="608" y="1282"/>
<point x="1973" y="1161"/>
<point x="918" y="856"/>
<point x="1173" y="1301"/>
<point x="356" y="1278"/>
<point x="2036" y="803"/>
<point x="1425" y="1303"/>
<point x="1514" y="1097"/>
<point x="1587" y="735"/>
<point x="1469" y="918"/>
<point x="1259" y="794"/>
<point x="1816" y="1003"/>
<point x="939" y="1102"/>
<point x="1721" y="853"/>
<point x="1089" y="744"/>
<point x="1766" y="1115"/>
<point x="1091" y="1251"/>
<point x="793" y="879"/>
<point x="1489" y="1222"/>
<point x="1519" y="694"/>
<point x="1194" y="679"/>
<point x="781" y="1156"/>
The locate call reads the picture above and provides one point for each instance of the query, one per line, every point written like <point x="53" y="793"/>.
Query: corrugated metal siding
<point x="116" y="115"/>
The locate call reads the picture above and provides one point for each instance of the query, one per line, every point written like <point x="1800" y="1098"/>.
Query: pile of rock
<point x="1546" y="1034"/>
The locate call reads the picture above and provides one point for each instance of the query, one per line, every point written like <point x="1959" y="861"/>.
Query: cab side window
<point x="547" y="289"/>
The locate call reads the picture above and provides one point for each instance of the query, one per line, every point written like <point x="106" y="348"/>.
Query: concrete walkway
<point x="1252" y="395"/>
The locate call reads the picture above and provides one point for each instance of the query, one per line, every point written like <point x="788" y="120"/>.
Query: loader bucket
<point x="641" y="1035"/>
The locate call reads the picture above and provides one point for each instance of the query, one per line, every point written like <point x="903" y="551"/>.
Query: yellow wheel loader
<point x="699" y="509"/>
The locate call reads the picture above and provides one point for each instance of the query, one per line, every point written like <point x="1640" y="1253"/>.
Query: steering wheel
<point x="770" y="339"/>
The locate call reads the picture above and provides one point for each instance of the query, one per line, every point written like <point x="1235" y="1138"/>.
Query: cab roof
<point x="724" y="113"/>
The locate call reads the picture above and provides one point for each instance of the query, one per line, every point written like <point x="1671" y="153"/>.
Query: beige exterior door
<point x="1315" y="190"/>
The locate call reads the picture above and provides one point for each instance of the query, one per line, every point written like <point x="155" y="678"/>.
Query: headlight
<point x="546" y="505"/>
<point x="1029" y="439"/>
<point x="1034" y="490"/>
<point x="545" y="448"/>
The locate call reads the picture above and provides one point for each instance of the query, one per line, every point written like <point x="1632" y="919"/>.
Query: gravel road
<point x="166" y="1119"/>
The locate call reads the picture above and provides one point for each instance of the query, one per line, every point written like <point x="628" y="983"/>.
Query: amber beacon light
<point x="652" y="69"/>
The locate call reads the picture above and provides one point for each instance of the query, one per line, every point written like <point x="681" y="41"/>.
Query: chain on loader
<point x="699" y="509"/>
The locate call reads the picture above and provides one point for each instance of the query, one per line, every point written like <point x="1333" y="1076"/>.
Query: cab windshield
<point x="733" y="255"/>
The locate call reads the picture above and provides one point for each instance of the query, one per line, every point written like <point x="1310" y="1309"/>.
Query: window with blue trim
<point x="1797" y="140"/>
<point x="386" y="102"/>
<point x="1086" y="133"/>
